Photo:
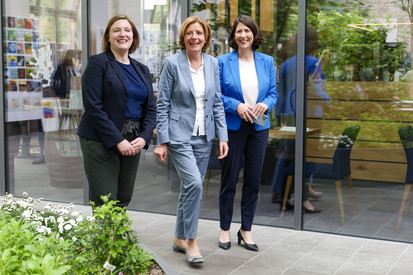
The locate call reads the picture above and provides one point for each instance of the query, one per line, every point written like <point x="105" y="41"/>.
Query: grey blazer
<point x="176" y="104"/>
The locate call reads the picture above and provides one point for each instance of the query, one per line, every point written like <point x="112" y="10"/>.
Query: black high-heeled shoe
<point x="224" y="246"/>
<point x="248" y="246"/>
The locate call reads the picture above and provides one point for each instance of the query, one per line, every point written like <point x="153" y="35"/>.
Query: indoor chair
<point x="340" y="168"/>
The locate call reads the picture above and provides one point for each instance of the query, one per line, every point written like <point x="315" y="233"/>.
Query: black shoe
<point x="40" y="160"/>
<point x="248" y="246"/>
<point x="311" y="211"/>
<point x="224" y="246"/>
<point x="289" y="206"/>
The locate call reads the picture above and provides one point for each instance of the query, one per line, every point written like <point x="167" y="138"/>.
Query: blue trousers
<point x="250" y="145"/>
<point x="191" y="162"/>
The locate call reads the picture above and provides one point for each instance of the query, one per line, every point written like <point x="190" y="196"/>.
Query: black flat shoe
<point x="311" y="211"/>
<point x="248" y="246"/>
<point x="224" y="246"/>
<point x="289" y="206"/>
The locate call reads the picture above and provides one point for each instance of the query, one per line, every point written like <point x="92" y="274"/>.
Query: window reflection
<point x="41" y="123"/>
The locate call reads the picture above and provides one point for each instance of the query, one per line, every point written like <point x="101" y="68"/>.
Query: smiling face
<point x="120" y="36"/>
<point x="194" y="38"/>
<point x="243" y="37"/>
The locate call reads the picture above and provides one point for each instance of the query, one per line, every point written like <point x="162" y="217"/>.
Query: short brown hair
<point x="189" y="21"/>
<point x="105" y="38"/>
<point x="252" y="25"/>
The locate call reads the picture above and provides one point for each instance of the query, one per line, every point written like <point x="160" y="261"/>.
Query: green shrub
<point x="57" y="240"/>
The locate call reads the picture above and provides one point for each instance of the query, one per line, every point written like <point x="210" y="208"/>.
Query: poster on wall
<point x="26" y="68"/>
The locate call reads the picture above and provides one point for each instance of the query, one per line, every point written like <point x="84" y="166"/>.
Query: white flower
<point x="43" y="229"/>
<point x="26" y="214"/>
<point x="68" y="227"/>
<point x="79" y="219"/>
<point x="75" y="213"/>
<point x="60" y="220"/>
<point x="74" y="238"/>
<point x="64" y="211"/>
<point x="72" y="222"/>
<point x="25" y="194"/>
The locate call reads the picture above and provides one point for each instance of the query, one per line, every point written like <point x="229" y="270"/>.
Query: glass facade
<point x="343" y="74"/>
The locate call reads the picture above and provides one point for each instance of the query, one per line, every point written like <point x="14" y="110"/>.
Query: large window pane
<point x="359" y="101"/>
<point x="42" y="95"/>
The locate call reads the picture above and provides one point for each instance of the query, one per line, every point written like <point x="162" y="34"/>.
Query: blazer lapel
<point x="115" y="66"/>
<point x="142" y="75"/>
<point x="209" y="74"/>
<point x="261" y="73"/>
<point x="184" y="66"/>
<point x="234" y="65"/>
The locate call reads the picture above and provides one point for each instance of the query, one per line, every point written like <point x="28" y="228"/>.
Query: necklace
<point x="195" y="65"/>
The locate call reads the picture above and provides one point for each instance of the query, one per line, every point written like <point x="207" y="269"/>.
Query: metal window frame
<point x="2" y="119"/>
<point x="299" y="176"/>
<point x="86" y="15"/>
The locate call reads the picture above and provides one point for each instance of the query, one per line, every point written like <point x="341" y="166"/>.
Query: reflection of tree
<point x="407" y="6"/>
<point x="361" y="48"/>
<point x="284" y="19"/>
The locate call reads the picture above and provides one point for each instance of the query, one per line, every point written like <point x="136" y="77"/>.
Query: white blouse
<point x="198" y="79"/>
<point x="249" y="82"/>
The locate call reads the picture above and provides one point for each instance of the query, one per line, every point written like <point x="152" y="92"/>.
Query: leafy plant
<point x="109" y="241"/>
<point x="57" y="240"/>
<point x="25" y="251"/>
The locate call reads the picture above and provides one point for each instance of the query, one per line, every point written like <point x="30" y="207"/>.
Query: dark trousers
<point x="249" y="145"/>
<point x="108" y="172"/>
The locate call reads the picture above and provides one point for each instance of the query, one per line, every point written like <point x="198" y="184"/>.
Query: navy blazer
<point x="105" y="97"/>
<point x="177" y="105"/>
<point x="232" y="94"/>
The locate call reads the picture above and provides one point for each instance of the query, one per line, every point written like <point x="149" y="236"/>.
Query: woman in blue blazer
<point x="248" y="85"/>
<point x="189" y="116"/>
<point x="119" y="115"/>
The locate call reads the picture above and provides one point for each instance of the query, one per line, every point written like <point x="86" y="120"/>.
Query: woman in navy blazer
<point x="248" y="85"/>
<point x="189" y="116"/>
<point x="119" y="115"/>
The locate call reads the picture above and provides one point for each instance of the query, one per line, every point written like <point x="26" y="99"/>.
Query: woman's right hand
<point x="125" y="148"/>
<point x="161" y="151"/>
<point x="245" y="112"/>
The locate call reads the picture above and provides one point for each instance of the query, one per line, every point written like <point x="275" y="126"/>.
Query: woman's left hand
<point x="138" y="144"/>
<point x="259" y="109"/>
<point x="223" y="149"/>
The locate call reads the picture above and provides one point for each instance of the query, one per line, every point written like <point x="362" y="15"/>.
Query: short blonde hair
<point x="189" y="21"/>
<point x="105" y="38"/>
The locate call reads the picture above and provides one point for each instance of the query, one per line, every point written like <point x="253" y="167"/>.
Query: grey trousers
<point x="108" y="172"/>
<point x="191" y="162"/>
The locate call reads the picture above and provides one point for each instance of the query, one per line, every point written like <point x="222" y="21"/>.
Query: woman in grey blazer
<point x="189" y="114"/>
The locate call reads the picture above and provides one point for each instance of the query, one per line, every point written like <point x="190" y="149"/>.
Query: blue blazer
<point x="105" y="97"/>
<point x="176" y="104"/>
<point x="231" y="86"/>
